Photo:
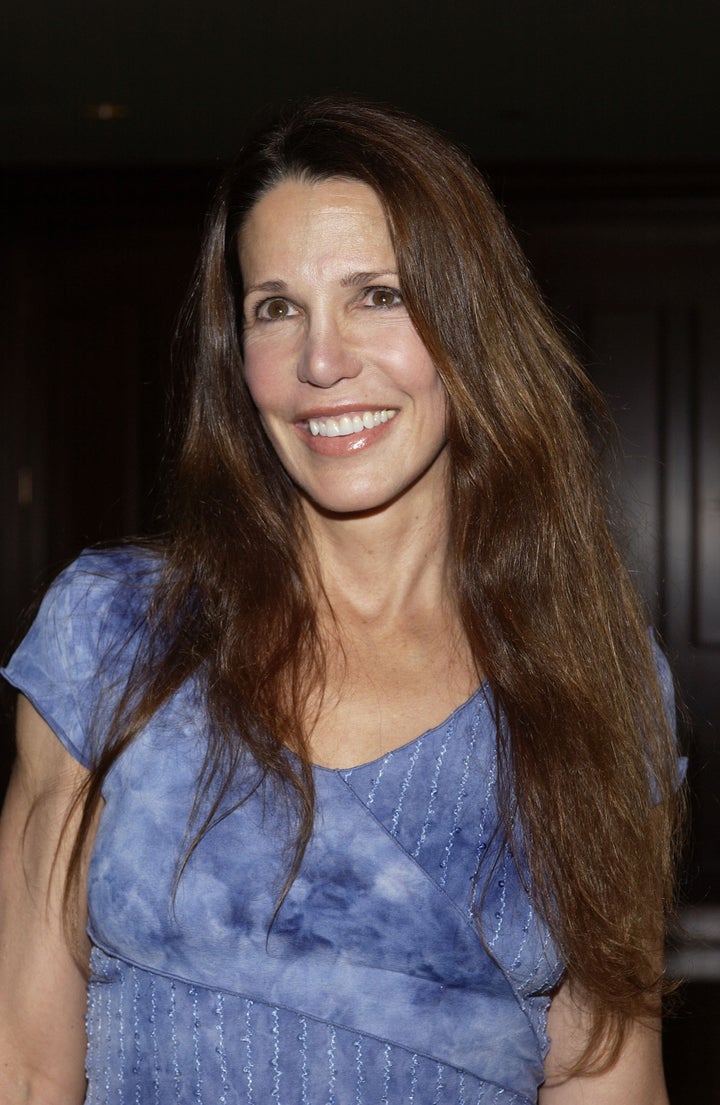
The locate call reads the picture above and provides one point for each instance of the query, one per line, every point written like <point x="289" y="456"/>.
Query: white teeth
<point x="348" y="424"/>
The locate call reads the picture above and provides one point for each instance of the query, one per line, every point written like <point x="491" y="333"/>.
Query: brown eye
<point x="384" y="297"/>
<point x="274" y="308"/>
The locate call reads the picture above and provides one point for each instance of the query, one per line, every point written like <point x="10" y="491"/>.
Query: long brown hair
<point x="588" y="773"/>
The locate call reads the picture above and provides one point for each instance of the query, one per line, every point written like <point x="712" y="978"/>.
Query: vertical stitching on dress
<point x="387" y="1067"/>
<point x="192" y="991"/>
<point x="404" y="789"/>
<point x="518" y="958"/>
<point x="331" y="1063"/>
<point x="482" y="844"/>
<point x="433" y="790"/>
<point x="174" y="1041"/>
<point x="222" y="1055"/>
<point x="304" y="1068"/>
<point x="462" y="795"/>
<point x="108" y="1038"/>
<point x="275" y="1062"/>
<point x="500" y="913"/>
<point x="413" y="1078"/>
<point x="357" y="1045"/>
<point x="136" y="1033"/>
<point x="93" y="1029"/>
<point x="248" y="1068"/>
<point x="439" y="1085"/>
<point x="121" y="1037"/>
<point x="153" y="1037"/>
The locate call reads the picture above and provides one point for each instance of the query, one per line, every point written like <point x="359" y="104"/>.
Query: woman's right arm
<point x="42" y="987"/>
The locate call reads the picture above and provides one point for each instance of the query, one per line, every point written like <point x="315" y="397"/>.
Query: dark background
<point x="598" y="124"/>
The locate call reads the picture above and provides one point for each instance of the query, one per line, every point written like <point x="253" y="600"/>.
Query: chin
<point x="347" y="504"/>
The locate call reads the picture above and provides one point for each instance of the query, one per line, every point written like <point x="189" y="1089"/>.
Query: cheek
<point x="434" y="396"/>
<point x="269" y="369"/>
<point x="420" y="375"/>
<point x="260" y="379"/>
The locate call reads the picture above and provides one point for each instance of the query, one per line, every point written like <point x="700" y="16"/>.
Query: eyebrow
<point x="267" y="286"/>
<point x="354" y="279"/>
<point x="351" y="280"/>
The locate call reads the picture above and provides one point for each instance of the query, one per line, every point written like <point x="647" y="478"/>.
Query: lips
<point x="343" y="425"/>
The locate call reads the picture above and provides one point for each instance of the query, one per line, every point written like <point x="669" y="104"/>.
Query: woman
<point x="387" y="523"/>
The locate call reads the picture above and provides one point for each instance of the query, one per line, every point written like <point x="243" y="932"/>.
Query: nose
<point x="327" y="356"/>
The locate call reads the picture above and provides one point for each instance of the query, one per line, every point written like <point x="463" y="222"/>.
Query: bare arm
<point x="42" y="988"/>
<point x="635" y="1079"/>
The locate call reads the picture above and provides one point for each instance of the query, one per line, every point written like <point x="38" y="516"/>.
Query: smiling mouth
<point x="346" y="424"/>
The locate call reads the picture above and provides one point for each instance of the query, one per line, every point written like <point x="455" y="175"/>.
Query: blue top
<point x="373" y="987"/>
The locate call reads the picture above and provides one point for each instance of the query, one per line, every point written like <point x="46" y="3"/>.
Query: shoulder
<point x="96" y="604"/>
<point x="110" y="589"/>
<point x="100" y="576"/>
<point x="80" y="648"/>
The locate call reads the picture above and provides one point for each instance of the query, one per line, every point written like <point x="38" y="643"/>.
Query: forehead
<point x="297" y="219"/>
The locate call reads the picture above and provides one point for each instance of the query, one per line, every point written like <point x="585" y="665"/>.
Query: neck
<point x="385" y="565"/>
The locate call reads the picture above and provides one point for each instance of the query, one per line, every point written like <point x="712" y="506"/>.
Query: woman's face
<point x="346" y="390"/>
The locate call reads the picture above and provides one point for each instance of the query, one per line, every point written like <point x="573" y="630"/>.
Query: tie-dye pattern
<point x="373" y="985"/>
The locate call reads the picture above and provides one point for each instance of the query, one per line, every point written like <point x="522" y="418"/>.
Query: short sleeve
<point x="62" y="665"/>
